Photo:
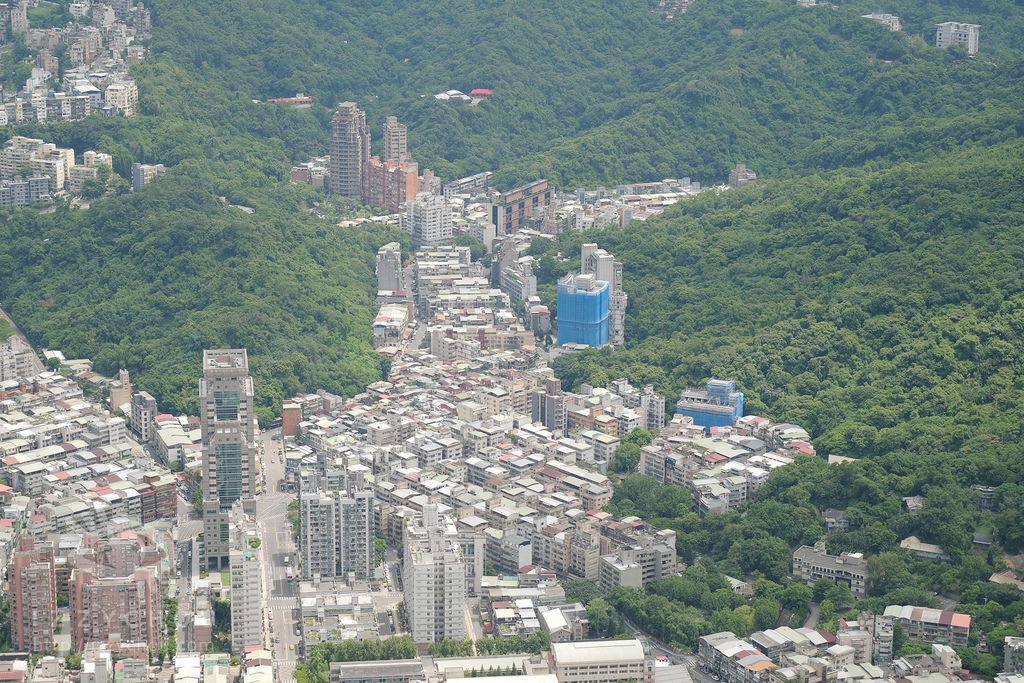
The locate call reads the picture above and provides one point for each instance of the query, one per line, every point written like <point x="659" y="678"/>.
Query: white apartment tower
<point x="229" y="447"/>
<point x="954" y="33"/>
<point x="246" y="599"/>
<point x="143" y="412"/>
<point x="428" y="219"/>
<point x="336" y="531"/>
<point x="434" y="574"/>
<point x="16" y="360"/>
<point x="350" y="150"/>
<point x="317" y="538"/>
<point x="395" y="139"/>
<point x="603" y="266"/>
<point x="390" y="274"/>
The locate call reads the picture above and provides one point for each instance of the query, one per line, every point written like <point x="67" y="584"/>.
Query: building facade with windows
<point x="228" y="427"/>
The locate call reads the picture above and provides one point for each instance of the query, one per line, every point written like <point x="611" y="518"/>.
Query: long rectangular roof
<point x="597" y="651"/>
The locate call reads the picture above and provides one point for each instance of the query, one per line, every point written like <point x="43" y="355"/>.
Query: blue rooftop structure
<point x="716" y="406"/>
<point x="582" y="310"/>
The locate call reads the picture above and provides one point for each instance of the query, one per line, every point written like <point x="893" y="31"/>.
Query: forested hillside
<point x="585" y="93"/>
<point x="883" y="311"/>
<point x="147" y="281"/>
<point x="588" y="92"/>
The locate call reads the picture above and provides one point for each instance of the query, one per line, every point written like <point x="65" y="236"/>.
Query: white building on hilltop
<point x="954" y="33"/>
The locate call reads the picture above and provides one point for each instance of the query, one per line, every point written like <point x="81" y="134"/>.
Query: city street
<point x="282" y="596"/>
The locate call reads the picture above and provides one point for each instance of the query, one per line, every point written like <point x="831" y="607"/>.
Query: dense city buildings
<point x="641" y="556"/>
<point x="583" y="312"/>
<point x="21" y="191"/>
<point x="548" y="406"/>
<point x="470" y="185"/>
<point x="129" y="604"/>
<point x="602" y="661"/>
<point x="350" y="150"/>
<point x="246" y="571"/>
<point x="944" y="627"/>
<point x="17" y="360"/>
<point x="229" y="451"/>
<point x="390" y="183"/>
<point x="144" y="409"/>
<point x="33" y="594"/>
<point x="951" y="33"/>
<point x="390" y="273"/>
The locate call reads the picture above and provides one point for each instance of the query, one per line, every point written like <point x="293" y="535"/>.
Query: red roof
<point x="6" y="522"/>
<point x="481" y="91"/>
<point x="62" y="475"/>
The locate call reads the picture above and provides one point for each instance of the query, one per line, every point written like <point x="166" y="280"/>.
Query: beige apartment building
<point x="602" y="661"/>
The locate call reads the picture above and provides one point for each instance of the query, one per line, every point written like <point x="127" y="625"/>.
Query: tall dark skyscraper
<point x="350" y="151"/>
<point x="229" y="447"/>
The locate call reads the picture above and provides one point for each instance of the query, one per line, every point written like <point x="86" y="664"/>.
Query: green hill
<point x="588" y="92"/>
<point x="880" y="310"/>
<point x="147" y="281"/>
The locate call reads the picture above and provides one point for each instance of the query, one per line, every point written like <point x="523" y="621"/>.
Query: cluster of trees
<point x="680" y="609"/>
<point x="536" y="644"/>
<point x="318" y="669"/>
